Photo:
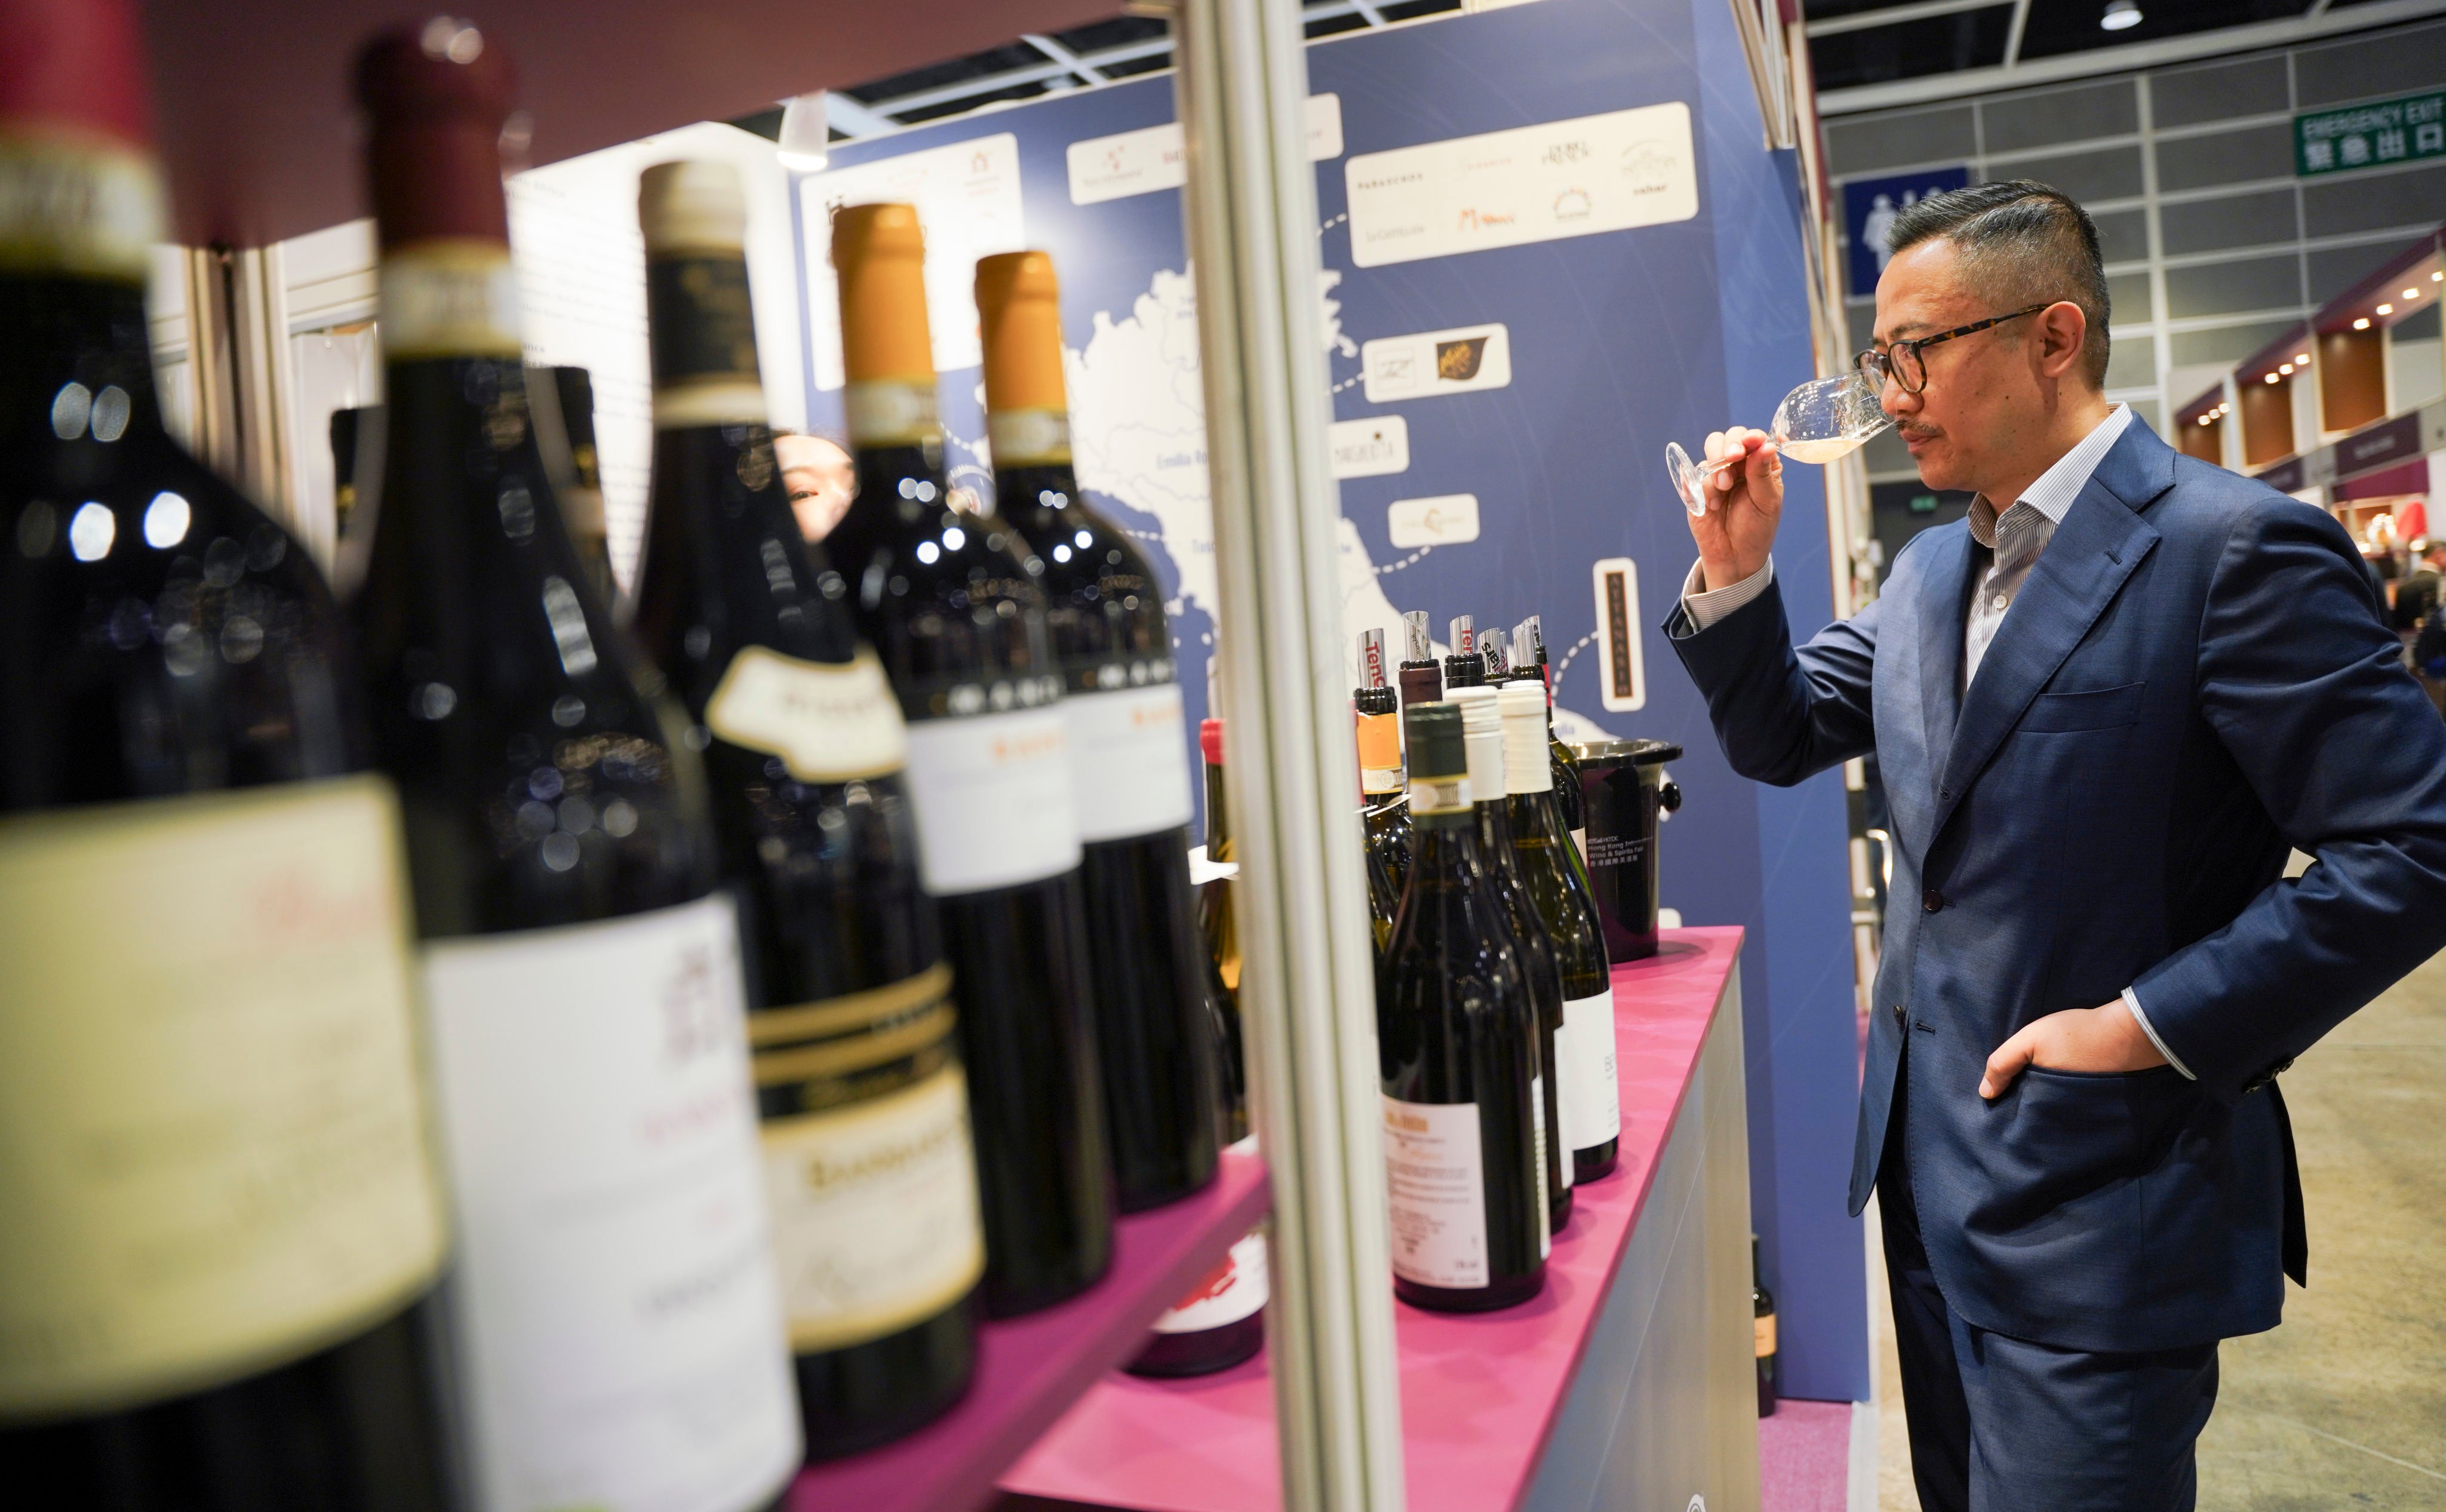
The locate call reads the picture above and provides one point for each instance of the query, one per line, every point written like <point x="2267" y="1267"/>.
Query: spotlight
<point x="2412" y="294"/>
<point x="2284" y="368"/>
<point x="805" y="141"/>
<point x="2122" y="15"/>
<point x="2301" y="359"/>
<point x="2386" y="310"/>
<point x="2270" y="378"/>
<point x="2363" y="324"/>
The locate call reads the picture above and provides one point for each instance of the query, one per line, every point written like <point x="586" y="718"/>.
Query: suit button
<point x="1931" y="901"/>
<point x="1898" y="1015"/>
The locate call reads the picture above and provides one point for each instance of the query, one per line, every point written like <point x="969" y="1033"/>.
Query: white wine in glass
<point x="1818" y="421"/>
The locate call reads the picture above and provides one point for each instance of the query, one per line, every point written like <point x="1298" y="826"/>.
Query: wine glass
<point x="1822" y="420"/>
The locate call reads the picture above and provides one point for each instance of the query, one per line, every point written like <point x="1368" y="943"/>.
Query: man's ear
<point x="2061" y="331"/>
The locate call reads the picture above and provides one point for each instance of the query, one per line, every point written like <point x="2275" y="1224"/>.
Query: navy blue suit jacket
<point x="2193" y="679"/>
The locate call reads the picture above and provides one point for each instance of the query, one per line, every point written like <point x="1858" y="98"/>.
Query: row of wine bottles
<point x="1494" y="998"/>
<point x="463" y="1045"/>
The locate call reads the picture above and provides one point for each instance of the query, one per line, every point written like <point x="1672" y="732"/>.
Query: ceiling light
<point x="2301" y="359"/>
<point x="2412" y="294"/>
<point x="807" y="138"/>
<point x="2438" y="278"/>
<point x="2363" y="324"/>
<point x="2284" y="368"/>
<point x="2386" y="310"/>
<point x="2271" y="378"/>
<point x="2121" y="15"/>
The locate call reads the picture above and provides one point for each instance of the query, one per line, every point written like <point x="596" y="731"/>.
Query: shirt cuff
<point x="1705" y="608"/>
<point x="2133" y="1002"/>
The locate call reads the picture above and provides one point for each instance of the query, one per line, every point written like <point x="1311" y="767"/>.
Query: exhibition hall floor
<point x="2345" y="1406"/>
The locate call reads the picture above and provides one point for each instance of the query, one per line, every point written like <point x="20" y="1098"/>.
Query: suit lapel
<point x="1943" y="593"/>
<point x="2093" y="551"/>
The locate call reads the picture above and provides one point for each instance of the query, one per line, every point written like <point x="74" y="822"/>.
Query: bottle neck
<point x="1218" y="815"/>
<point x="701" y="338"/>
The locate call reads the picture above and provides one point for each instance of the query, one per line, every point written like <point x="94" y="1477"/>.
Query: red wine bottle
<point x="858" y="1080"/>
<point x="1129" y="751"/>
<point x="1457" y="1037"/>
<point x="1384" y="810"/>
<point x="1421" y="675"/>
<point x="219" y="1221"/>
<point x="581" y="967"/>
<point x="1464" y="664"/>
<point x="953" y="606"/>
<point x="1482" y="729"/>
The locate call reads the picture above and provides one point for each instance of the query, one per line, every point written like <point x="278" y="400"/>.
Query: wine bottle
<point x="1455" y="1035"/>
<point x="1482" y="731"/>
<point x="563" y="399"/>
<point x="867" y="1157"/>
<point x="1129" y="757"/>
<point x="220" y="1222"/>
<point x="1492" y="647"/>
<point x="581" y="970"/>
<point x="953" y="606"/>
<point x="1762" y="1331"/>
<point x="1567" y="797"/>
<point x="1464" y="664"/>
<point x="1216" y="917"/>
<point x="1422" y="676"/>
<point x="1566" y="905"/>
<point x="1384" y="807"/>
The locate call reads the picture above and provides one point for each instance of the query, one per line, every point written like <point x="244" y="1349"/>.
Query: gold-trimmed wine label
<point x="702" y="333"/>
<point x="1021" y="437"/>
<point x="452" y="296"/>
<point x="889" y="412"/>
<point x="828" y="722"/>
<point x="218" y="1157"/>
<point x="850" y="1011"/>
<point x="874" y="1212"/>
<point x="77" y="205"/>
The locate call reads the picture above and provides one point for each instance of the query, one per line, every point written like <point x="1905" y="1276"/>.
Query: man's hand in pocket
<point x="2106" y="1038"/>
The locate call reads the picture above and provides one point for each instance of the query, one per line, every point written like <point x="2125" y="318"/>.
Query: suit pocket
<point x="2091" y="709"/>
<point x="2068" y="1139"/>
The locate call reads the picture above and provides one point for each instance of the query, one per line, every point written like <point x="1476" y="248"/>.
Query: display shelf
<point x="1030" y="1369"/>
<point x="1479" y="1393"/>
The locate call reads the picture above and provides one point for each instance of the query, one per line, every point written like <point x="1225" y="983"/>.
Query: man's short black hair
<point x="2024" y="243"/>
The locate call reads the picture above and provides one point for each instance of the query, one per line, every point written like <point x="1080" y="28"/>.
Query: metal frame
<point x="1307" y="1002"/>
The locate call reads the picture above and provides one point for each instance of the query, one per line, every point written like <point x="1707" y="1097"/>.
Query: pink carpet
<point x="1804" y="1457"/>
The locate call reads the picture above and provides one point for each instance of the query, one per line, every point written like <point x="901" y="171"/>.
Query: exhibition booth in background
<point x="1534" y="244"/>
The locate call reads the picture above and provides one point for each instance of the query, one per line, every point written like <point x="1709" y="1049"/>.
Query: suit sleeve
<point x="1781" y="713"/>
<point x="2302" y="682"/>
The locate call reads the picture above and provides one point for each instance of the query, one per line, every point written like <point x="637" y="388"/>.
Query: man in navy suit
<point x="2106" y="706"/>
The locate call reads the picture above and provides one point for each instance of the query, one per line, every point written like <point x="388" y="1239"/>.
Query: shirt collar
<point x="2053" y="492"/>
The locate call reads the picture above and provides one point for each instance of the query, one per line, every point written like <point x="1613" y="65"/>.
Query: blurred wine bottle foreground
<point x="1129" y="759"/>
<point x="865" y="1109"/>
<point x="219" y="1218"/>
<point x="952" y="604"/>
<point x="613" y="1274"/>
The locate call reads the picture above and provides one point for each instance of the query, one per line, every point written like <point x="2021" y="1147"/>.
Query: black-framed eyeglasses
<point x="1901" y="360"/>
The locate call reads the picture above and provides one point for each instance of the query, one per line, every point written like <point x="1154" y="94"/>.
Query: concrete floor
<point x="2345" y="1406"/>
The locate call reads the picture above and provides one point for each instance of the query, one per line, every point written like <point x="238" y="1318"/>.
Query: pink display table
<point x="1030" y="1369"/>
<point x="1482" y="1395"/>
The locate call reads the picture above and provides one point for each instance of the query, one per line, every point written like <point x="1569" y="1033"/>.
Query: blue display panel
<point x="1553" y="242"/>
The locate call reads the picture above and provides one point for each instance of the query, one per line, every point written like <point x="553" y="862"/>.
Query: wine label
<point x="77" y="205"/>
<point x="995" y="800"/>
<point x="1762" y="1335"/>
<point x="451" y="296"/>
<point x="875" y="1212"/>
<point x="1538" y="1127"/>
<point x="888" y="412"/>
<point x="1231" y="1290"/>
<point x="1580" y="843"/>
<point x="1380" y="753"/>
<point x="1021" y="437"/>
<point x="1129" y="762"/>
<point x="1438" y="795"/>
<point x="828" y="722"/>
<point x="702" y="338"/>
<point x="216" y="1155"/>
<point x="616" y="1323"/>
<point x="1435" y="1176"/>
<point x="1592" y="1110"/>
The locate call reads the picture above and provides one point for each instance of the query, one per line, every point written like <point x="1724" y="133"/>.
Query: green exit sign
<point x="2366" y="136"/>
<point x="1923" y="504"/>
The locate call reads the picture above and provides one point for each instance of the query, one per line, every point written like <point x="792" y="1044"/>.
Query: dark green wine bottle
<point x="1456" y="1036"/>
<point x="1385" y="804"/>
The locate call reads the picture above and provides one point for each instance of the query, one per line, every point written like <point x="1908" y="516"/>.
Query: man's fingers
<point x="2006" y="1064"/>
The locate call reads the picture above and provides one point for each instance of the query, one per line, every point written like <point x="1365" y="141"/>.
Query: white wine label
<point x="1593" y="1112"/>
<point x="889" y="413"/>
<point x="828" y="722"/>
<point x="1129" y="761"/>
<point x="1435" y="1176"/>
<point x="875" y="1212"/>
<point x="76" y="206"/>
<point x="450" y="298"/>
<point x="1019" y="437"/>
<point x="995" y="802"/>
<point x="1574" y="178"/>
<point x="217" y="1155"/>
<point x="1537" y="1126"/>
<point x="617" y="1326"/>
<point x="1231" y="1291"/>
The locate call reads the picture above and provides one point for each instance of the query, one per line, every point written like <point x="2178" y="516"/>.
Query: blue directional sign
<point x="1869" y="206"/>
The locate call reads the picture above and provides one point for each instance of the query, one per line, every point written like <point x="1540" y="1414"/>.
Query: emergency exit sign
<point x="2365" y="135"/>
